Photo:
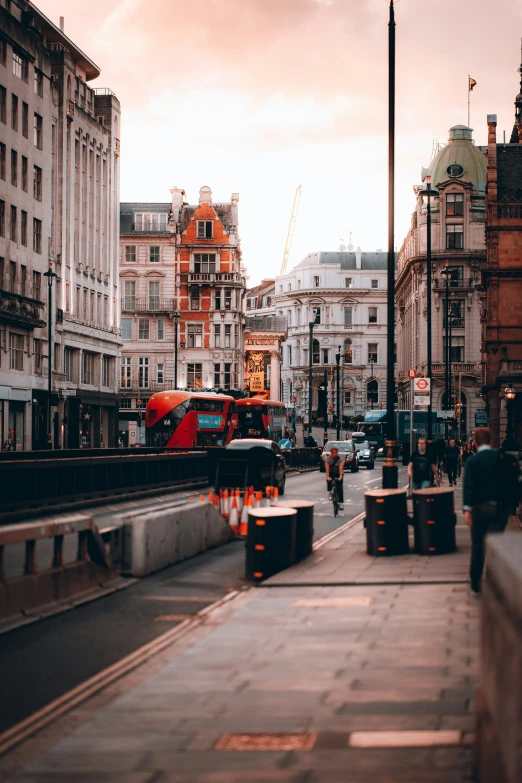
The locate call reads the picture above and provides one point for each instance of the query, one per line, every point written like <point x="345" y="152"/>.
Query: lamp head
<point x="509" y="393"/>
<point x="446" y="272"/>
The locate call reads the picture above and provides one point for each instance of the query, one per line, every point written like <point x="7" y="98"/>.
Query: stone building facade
<point x="458" y="176"/>
<point x="61" y="150"/>
<point x="344" y="295"/>
<point x="186" y="259"/>
<point x="265" y="332"/>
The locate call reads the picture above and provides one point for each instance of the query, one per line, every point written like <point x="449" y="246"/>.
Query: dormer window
<point x="205" y="229"/>
<point x="146" y="221"/>
<point x="455" y="204"/>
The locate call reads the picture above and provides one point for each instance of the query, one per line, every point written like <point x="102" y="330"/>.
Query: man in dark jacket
<point x="451" y="461"/>
<point x="484" y="512"/>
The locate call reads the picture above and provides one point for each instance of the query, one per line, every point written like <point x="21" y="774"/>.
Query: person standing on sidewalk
<point x="490" y="490"/>
<point x="451" y="461"/>
<point x="422" y="467"/>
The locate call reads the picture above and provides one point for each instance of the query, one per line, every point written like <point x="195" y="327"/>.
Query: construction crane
<point x="290" y="235"/>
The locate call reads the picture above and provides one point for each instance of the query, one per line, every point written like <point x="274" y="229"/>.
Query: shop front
<point x="91" y="420"/>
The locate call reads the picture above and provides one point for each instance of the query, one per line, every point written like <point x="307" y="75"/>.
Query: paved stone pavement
<point x="364" y="683"/>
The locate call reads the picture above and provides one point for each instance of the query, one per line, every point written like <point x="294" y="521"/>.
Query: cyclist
<point x="334" y="472"/>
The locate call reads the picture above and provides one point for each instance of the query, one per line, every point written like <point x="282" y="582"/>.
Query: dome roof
<point x="459" y="160"/>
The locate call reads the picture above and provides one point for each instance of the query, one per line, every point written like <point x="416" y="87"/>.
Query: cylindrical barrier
<point x="386" y="522"/>
<point x="270" y="545"/>
<point x="434" y="521"/>
<point x="304" y="528"/>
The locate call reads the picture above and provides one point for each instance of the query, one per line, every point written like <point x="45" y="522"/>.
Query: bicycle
<point x="335" y="498"/>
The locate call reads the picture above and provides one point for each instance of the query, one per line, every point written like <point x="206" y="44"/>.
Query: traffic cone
<point x="258" y="499"/>
<point x="211" y="497"/>
<point x="216" y="500"/>
<point x="234" y="517"/>
<point x="265" y="502"/>
<point x="243" y="525"/>
<point x="202" y="498"/>
<point x="238" y="500"/>
<point x="275" y="496"/>
<point x="226" y="504"/>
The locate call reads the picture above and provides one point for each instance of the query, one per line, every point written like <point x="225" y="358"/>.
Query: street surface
<point x="40" y="662"/>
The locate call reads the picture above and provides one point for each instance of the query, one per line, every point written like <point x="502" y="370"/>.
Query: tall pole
<point x="446" y="311"/>
<point x="338" y="390"/>
<point x="50" y="275"/>
<point x="389" y="470"/>
<point x="450" y="379"/>
<point x="310" y="357"/>
<point x="175" y="317"/>
<point x="428" y="313"/>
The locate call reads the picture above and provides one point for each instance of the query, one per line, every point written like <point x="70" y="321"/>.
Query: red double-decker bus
<point x="180" y="419"/>
<point x="259" y="418"/>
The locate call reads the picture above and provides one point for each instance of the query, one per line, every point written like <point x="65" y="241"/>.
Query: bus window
<point x="160" y="433"/>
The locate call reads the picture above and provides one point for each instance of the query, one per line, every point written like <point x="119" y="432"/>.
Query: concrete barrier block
<point x="157" y="539"/>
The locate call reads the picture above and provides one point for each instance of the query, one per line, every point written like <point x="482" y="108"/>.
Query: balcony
<point x="459" y="282"/>
<point x="20" y="310"/>
<point x="266" y="323"/>
<point x="144" y="386"/>
<point x="439" y="368"/>
<point x="147" y="304"/>
<point x="212" y="278"/>
<point x="76" y="319"/>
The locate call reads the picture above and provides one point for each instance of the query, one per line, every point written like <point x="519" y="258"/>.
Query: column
<point x="275" y="384"/>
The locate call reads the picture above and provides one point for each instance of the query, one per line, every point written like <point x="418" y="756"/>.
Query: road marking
<point x="337" y="532"/>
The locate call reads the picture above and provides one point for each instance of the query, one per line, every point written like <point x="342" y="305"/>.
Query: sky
<point x="259" y="96"/>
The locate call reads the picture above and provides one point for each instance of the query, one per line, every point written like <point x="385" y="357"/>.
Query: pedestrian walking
<point x="491" y="491"/>
<point x="422" y="467"/>
<point x="451" y="461"/>
<point x="467" y="452"/>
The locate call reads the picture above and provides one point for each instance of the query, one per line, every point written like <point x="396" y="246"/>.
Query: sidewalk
<point x="363" y="683"/>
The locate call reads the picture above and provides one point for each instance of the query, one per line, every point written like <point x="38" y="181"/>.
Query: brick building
<point x="186" y="259"/>
<point x="502" y="281"/>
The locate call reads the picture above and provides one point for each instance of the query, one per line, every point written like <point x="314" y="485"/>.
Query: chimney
<point x="491" y="176"/>
<point x="358" y="258"/>
<point x="177" y="202"/>
<point x="205" y="195"/>
<point x="62" y="23"/>
<point x="234" y="198"/>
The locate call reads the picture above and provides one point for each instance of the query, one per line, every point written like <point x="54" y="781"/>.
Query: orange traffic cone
<point x="238" y="500"/>
<point x="266" y="500"/>
<point x="210" y="497"/>
<point x="243" y="525"/>
<point x="275" y="496"/>
<point x="234" y="517"/>
<point x="202" y="498"/>
<point x="226" y="505"/>
<point x="216" y="500"/>
<point x="258" y="498"/>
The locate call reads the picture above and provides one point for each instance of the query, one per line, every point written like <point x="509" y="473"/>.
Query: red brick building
<point x="502" y="281"/>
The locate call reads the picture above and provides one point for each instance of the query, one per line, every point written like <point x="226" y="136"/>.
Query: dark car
<point x="278" y="461"/>
<point x="347" y="452"/>
<point x="366" y="453"/>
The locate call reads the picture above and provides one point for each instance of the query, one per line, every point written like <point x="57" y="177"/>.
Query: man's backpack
<point x="507" y="480"/>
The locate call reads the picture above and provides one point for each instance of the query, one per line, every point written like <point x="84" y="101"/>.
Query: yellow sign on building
<point x="257" y="381"/>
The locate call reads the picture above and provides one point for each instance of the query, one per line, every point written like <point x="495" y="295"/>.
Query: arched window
<point x="372" y="393"/>
<point x="316" y="355"/>
<point x="348" y="351"/>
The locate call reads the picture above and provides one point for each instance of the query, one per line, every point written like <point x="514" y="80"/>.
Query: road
<point x="40" y="662"/>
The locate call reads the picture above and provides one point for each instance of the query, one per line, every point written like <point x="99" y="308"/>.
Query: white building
<point x="344" y="295"/>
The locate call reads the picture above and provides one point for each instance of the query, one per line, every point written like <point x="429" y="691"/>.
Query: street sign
<point x="412" y="374"/>
<point x="68" y="392"/>
<point x="481" y="419"/>
<point x="421" y="392"/>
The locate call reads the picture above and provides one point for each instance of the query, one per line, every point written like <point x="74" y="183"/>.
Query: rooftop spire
<point x="517" y="127"/>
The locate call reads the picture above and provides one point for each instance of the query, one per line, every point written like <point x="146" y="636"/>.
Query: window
<point x="217" y="335"/>
<point x="125" y="372"/>
<point x="228" y="298"/>
<point x="154" y="295"/>
<point x="217" y="299"/>
<point x="317" y="281"/>
<point x="12" y="226"/>
<point x="126" y="328"/>
<point x="25" y="120"/>
<point x="289" y="286"/>
<point x="20" y="67"/>
<point x="125" y="403"/>
<point x="37" y="131"/>
<point x="457" y="277"/>
<point x="237" y="344"/>
<point x="227" y="375"/>
<point x="161" y="329"/>
<point x="14" y="168"/>
<point x="205" y="229"/>
<point x="228" y="331"/>
<point x="143" y="329"/>
<point x="456" y="313"/>
<point x="3" y="100"/>
<point x="266" y="301"/>
<point x="143" y="372"/>
<point x="150" y="222"/>
<point x="37" y="285"/>
<point x="194" y="298"/>
<point x="154" y="254"/>
<point x="37" y="235"/>
<point x="16" y="348"/>
<point x="372" y="353"/>
<point x="374" y="284"/>
<point x="160" y="373"/>
<point x="204" y="263"/>
<point x="129" y="295"/>
<point x="194" y="335"/>
<point x="347" y="398"/>
<point x="37" y="352"/>
<point x="24" y="173"/>
<point x="326" y="353"/>
<point x="348" y="351"/>
<point x="194" y="376"/>
<point x="14" y="112"/>
<point x="23" y="228"/>
<point x="130" y="254"/>
<point x="2" y="161"/>
<point x="372" y="393"/>
<point x="12" y="276"/>
<point x="289" y="355"/>
<point x="37" y="183"/>
<point x="106" y="371"/>
<point x="38" y="83"/>
<point x="316" y="358"/>
<point x="348" y="316"/>
<point x="372" y="315"/>
<point x="455" y="204"/>
<point x="316" y="315"/>
<point x="454" y="237"/>
<point x="217" y="375"/>
<point x="88" y="368"/>
<point x="3" y="52"/>
<point x="455" y="170"/>
<point x="456" y="349"/>
<point x="68" y="357"/>
<point x="23" y="279"/>
<point x="2" y="218"/>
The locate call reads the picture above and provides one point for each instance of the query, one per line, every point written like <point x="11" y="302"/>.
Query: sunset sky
<point x="257" y="96"/>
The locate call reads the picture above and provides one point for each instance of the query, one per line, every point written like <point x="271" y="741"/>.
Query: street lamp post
<point x="338" y="390"/>
<point x="176" y="317"/>
<point x="428" y="193"/>
<point x="50" y="275"/>
<point x="389" y="470"/>
<point x="509" y="394"/>
<point x="310" y="359"/>
<point x="446" y="274"/>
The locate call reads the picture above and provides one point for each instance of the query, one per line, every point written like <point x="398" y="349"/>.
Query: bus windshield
<point x="160" y="433"/>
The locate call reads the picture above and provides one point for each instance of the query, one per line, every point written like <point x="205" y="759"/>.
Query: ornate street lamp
<point x="447" y="274"/>
<point x="310" y="359"/>
<point x="428" y="193"/>
<point x="176" y="317"/>
<point x="50" y="275"/>
<point x="509" y="394"/>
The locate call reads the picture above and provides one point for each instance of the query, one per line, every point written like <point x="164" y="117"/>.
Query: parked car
<point x="278" y="461"/>
<point x="347" y="451"/>
<point x="366" y="454"/>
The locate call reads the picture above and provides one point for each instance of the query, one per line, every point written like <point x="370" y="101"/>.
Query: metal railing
<point x="230" y="278"/>
<point x="460" y="282"/>
<point x="148" y="304"/>
<point x="75" y="319"/>
<point x="456" y="367"/>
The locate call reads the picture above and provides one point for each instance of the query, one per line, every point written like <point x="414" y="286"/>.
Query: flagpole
<point x="469" y="95"/>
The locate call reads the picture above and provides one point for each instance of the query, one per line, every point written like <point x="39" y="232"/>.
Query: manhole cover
<point x="266" y="742"/>
<point x="361" y="600"/>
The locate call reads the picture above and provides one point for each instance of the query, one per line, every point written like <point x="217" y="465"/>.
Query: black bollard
<point x="386" y="522"/>
<point x="434" y="521"/>
<point x="304" y="528"/>
<point x="270" y="545"/>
